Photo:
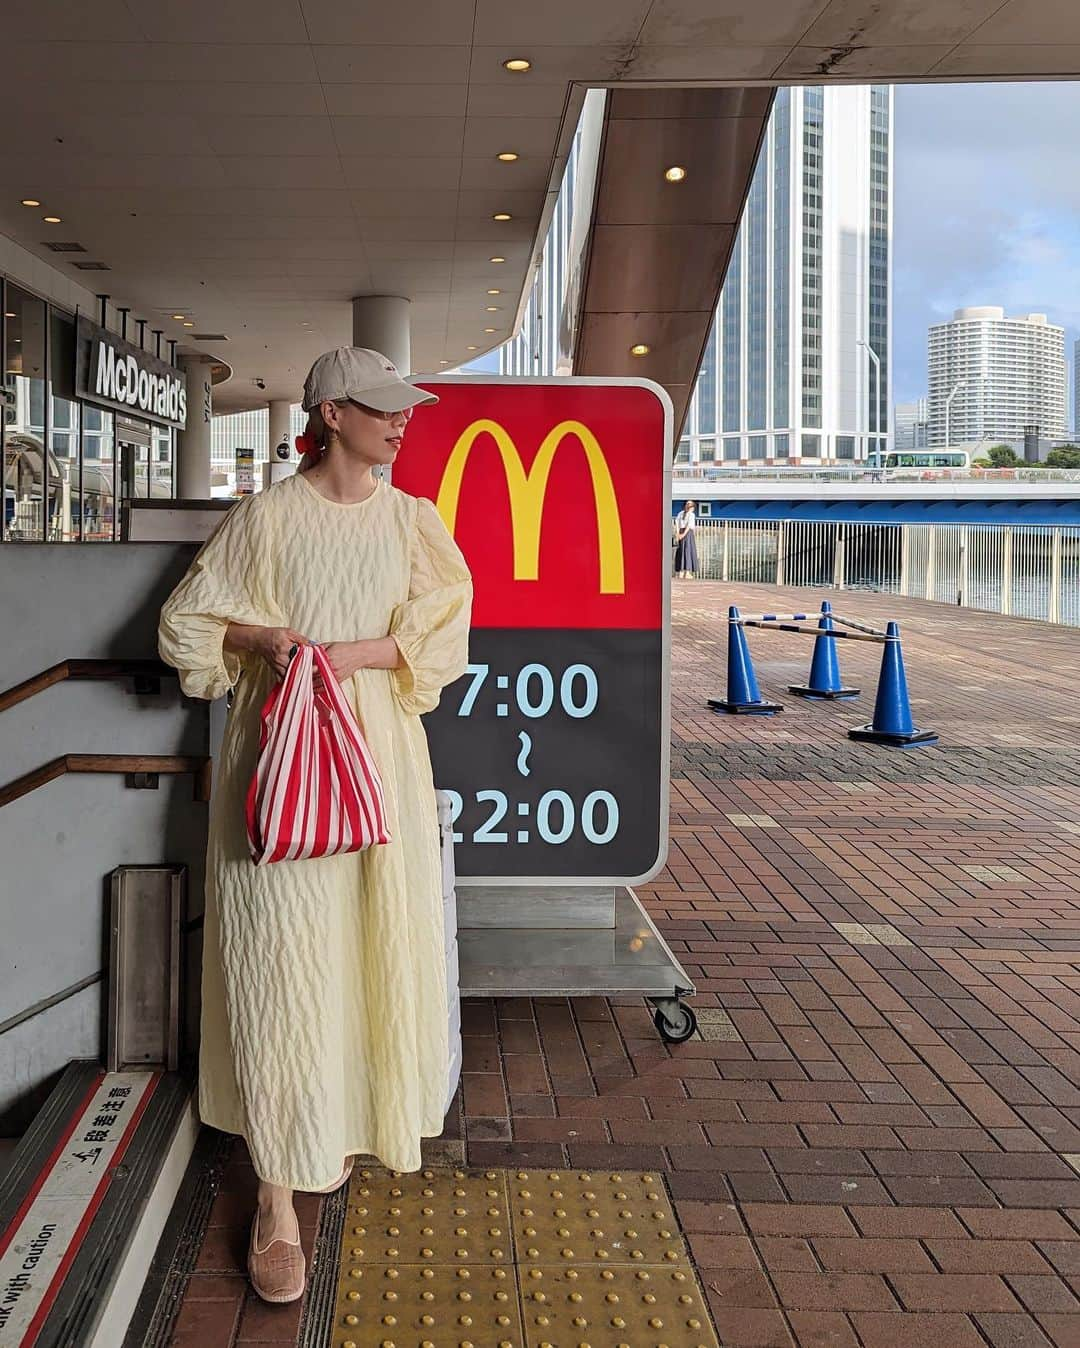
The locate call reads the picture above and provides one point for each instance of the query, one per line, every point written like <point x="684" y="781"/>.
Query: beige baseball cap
<point x="365" y="376"/>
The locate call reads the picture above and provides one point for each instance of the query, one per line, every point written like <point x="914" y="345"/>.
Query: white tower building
<point x="992" y="376"/>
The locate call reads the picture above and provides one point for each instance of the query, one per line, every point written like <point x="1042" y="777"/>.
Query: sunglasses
<point x="405" y="412"/>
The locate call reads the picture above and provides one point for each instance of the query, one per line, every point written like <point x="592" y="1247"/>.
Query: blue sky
<point x="986" y="210"/>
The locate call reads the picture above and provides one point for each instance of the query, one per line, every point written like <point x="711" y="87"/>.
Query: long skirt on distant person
<point x="686" y="554"/>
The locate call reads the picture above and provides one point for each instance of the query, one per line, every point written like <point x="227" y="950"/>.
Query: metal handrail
<point x="83" y="669"/>
<point x="168" y="764"/>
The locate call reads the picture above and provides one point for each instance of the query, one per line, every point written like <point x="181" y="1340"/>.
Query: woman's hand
<point x="274" y="645"/>
<point x="346" y="657"/>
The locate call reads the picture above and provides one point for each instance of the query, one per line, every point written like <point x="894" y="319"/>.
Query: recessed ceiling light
<point x="9" y="315"/>
<point x="507" y="156"/>
<point x="472" y="348"/>
<point x="497" y="259"/>
<point x="517" y="64"/>
<point x="444" y="362"/>
<point x="494" y="292"/>
<point x="189" y="324"/>
<point x="52" y="219"/>
<point x="489" y="329"/>
<point x="30" y="201"/>
<point x="502" y="215"/>
<point x="675" y="174"/>
<point x="491" y="308"/>
<point x="639" y="349"/>
<point x="179" y="317"/>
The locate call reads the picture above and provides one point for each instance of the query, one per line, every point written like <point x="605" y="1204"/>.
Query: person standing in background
<point x="686" y="559"/>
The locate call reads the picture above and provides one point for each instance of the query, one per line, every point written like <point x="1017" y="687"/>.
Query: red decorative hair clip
<point x="306" y="446"/>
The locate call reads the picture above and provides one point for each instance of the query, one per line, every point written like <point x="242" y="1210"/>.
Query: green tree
<point x="1001" y="456"/>
<point x="1065" y="456"/>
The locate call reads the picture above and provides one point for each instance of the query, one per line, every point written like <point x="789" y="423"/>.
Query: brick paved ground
<point x="876" y="1141"/>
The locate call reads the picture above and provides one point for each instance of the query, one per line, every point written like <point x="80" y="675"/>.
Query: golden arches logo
<point x="528" y="488"/>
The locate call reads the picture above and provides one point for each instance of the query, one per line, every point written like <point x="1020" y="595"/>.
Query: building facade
<point x="797" y="366"/>
<point x="911" y="425"/>
<point x="1076" y="388"/>
<point x="70" y="455"/>
<point x="992" y="376"/>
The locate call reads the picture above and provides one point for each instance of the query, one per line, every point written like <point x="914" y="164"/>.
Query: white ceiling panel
<point x="550" y="64"/>
<point x="314" y="173"/>
<point x="403" y="64"/>
<point x="407" y="136"/>
<point x="721" y="23"/>
<point x="523" y="25"/>
<point x="860" y="63"/>
<point x="396" y="100"/>
<point x="1029" y="22"/>
<point x="107" y="21"/>
<point x="528" y="100"/>
<point x="380" y="203"/>
<point x="284" y="135"/>
<point x="383" y="25"/>
<point x="706" y="64"/>
<point x="1010" y="61"/>
<point x="163" y="62"/>
<point x="485" y="137"/>
<point x="900" y="23"/>
<point x="383" y="172"/>
<point x="235" y="21"/>
<point x="530" y="173"/>
<point x="60" y="169"/>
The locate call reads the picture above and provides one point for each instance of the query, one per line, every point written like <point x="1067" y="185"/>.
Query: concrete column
<point x="381" y="323"/>
<point x="193" y="442"/>
<point x="280" y="422"/>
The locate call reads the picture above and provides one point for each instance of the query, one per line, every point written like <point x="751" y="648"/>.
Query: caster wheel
<point x="678" y="1030"/>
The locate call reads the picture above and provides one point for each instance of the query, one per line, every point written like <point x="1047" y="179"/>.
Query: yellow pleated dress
<point x="324" y="1007"/>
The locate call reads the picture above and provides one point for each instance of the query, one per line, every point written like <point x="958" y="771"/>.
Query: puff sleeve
<point x="223" y="585"/>
<point x="432" y="627"/>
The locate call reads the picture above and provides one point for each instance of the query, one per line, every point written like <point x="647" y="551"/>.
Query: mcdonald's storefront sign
<point x="554" y="746"/>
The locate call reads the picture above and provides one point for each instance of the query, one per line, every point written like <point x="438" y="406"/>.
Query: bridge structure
<point x="1012" y="496"/>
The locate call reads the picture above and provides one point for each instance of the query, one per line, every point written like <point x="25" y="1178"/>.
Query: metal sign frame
<point x="664" y="562"/>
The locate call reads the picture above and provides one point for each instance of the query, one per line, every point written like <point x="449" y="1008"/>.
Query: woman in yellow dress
<point x="324" y="1016"/>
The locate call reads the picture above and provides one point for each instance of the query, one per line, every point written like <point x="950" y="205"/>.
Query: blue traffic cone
<point x="824" y="679"/>
<point x="892" y="722"/>
<point x="743" y="695"/>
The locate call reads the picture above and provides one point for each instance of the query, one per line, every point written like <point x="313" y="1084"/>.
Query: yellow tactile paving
<point x="515" y="1259"/>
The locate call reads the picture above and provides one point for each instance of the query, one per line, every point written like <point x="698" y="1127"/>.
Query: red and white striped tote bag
<point x="316" y="790"/>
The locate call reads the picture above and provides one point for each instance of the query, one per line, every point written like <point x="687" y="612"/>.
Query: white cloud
<point x="986" y="201"/>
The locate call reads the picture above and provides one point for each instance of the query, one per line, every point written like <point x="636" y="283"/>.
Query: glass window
<point x="811" y="446"/>
<point x="99" y="482"/>
<point x="682" y="454"/>
<point x="161" y="472"/>
<point x="780" y="446"/>
<point x="845" y="446"/>
<point x="707" y="450"/>
<point x="27" y="480"/>
<point x="65" y="513"/>
<point x="732" y="449"/>
<point x="758" y="445"/>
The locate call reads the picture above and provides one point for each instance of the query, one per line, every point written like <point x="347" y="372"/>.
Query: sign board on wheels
<point x="554" y="745"/>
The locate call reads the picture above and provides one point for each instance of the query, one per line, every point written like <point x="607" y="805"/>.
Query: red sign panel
<point x="554" y="493"/>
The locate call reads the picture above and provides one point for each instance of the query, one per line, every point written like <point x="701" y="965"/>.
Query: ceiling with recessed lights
<point x="253" y="164"/>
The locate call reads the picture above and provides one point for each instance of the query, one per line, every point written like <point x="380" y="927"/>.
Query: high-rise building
<point x="992" y="376"/>
<point x="1076" y="388"/>
<point x="911" y="425"/>
<point x="797" y="366"/>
